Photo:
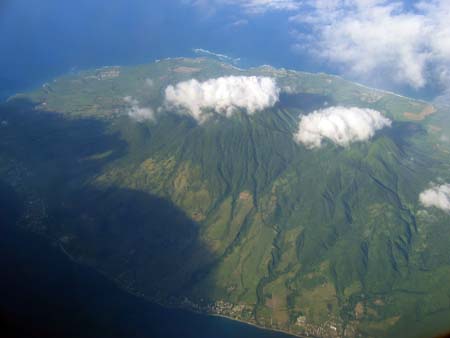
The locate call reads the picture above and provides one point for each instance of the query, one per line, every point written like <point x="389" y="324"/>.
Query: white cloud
<point x="407" y="45"/>
<point x="288" y="90"/>
<point x="223" y="95"/>
<point x="437" y="196"/>
<point x="250" y="6"/>
<point x="340" y="125"/>
<point x="239" y="23"/>
<point x="383" y="42"/>
<point x="260" y="6"/>
<point x="137" y="112"/>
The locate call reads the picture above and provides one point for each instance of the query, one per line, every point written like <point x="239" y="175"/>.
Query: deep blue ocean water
<point x="44" y="294"/>
<point x="43" y="39"/>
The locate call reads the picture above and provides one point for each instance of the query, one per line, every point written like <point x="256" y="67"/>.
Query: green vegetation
<point x="233" y="214"/>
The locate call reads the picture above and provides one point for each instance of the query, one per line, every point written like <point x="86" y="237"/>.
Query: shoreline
<point x="168" y="306"/>
<point x="256" y="325"/>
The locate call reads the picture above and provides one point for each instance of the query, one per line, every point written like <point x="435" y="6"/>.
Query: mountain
<point x="231" y="214"/>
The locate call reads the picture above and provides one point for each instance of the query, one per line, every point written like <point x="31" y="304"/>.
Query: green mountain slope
<point x="232" y="216"/>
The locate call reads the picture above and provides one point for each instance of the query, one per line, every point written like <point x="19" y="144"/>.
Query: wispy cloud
<point x="437" y="196"/>
<point x="250" y="6"/>
<point x="340" y="125"/>
<point x="239" y="23"/>
<point x="149" y="82"/>
<point x="137" y="112"/>
<point x="222" y="95"/>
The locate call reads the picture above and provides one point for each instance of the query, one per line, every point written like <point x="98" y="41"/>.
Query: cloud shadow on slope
<point x="304" y="101"/>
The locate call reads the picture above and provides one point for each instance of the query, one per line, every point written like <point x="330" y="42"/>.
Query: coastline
<point x="174" y="306"/>
<point x="256" y="325"/>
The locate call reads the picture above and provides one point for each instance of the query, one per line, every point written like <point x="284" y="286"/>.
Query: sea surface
<point x="45" y="294"/>
<point x="43" y="39"/>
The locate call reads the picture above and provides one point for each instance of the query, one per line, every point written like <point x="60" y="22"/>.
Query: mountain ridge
<point x="324" y="241"/>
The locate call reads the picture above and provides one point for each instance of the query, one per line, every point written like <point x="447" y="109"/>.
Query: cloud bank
<point x="408" y="43"/>
<point x="340" y="125"/>
<point x="437" y="196"/>
<point x="223" y="95"/>
<point x="383" y="42"/>
<point x="137" y="112"/>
